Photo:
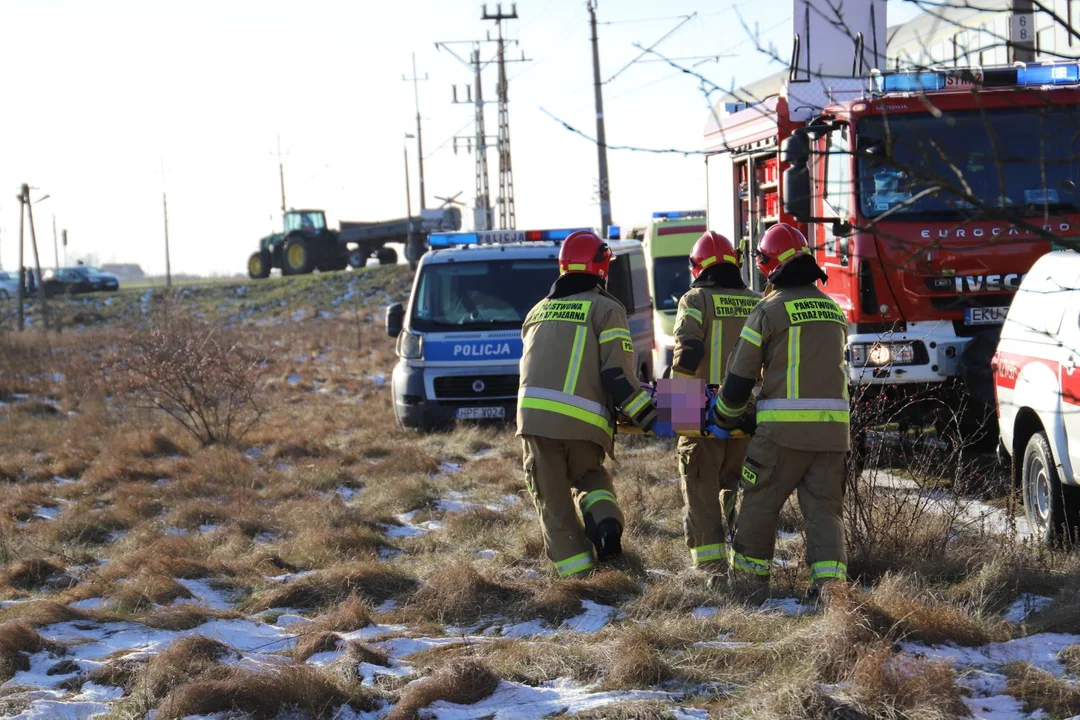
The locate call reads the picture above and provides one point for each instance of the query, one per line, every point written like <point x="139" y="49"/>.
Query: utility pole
<point x="165" y="214"/>
<point x="281" y="176"/>
<point x="37" y="263"/>
<point x="20" y="291"/>
<point x="408" y="200"/>
<point x="55" y="246"/>
<point x="419" y="136"/>
<point x="63" y="239"/>
<point x="482" y="218"/>
<point x="601" y="138"/>
<point x="1022" y="35"/>
<point x="507" y="214"/>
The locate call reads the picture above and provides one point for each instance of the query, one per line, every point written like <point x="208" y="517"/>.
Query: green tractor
<point x="308" y="244"/>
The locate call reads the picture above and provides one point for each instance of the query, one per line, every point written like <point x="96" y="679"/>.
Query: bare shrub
<point x="197" y="374"/>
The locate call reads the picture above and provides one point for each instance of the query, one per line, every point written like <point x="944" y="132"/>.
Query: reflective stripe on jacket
<point x="798" y="335"/>
<point x="570" y="343"/>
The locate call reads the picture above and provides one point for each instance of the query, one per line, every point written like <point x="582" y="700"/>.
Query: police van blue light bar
<point x="498" y="237"/>
<point x="678" y="214"/>
<point x="1051" y="74"/>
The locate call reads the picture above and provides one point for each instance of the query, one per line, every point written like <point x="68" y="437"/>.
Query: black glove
<point x="748" y="421"/>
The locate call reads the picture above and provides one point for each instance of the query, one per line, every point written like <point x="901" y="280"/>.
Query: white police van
<point x="459" y="337"/>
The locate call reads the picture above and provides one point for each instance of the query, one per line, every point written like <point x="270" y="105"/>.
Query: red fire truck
<point x="926" y="194"/>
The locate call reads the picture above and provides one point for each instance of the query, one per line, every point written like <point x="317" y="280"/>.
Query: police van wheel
<point x="1052" y="509"/>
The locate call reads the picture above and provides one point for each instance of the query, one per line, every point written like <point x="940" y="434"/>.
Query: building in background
<point x="124" y="271"/>
<point x="978" y="32"/>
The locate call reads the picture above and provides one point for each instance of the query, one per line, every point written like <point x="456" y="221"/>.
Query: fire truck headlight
<point x="880" y="354"/>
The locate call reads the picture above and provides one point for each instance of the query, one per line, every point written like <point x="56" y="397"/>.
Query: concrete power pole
<point x="415" y="79"/>
<point x="165" y="217"/>
<point x="601" y="138"/>
<point x="507" y="214"/>
<point x="281" y="177"/>
<point x="55" y="244"/>
<point x="1023" y="31"/>
<point x="20" y="291"/>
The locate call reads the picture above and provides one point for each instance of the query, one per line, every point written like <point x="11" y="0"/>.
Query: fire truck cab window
<point x="920" y="167"/>
<point x="838" y="172"/>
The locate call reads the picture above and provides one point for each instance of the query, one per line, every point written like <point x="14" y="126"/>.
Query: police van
<point x="459" y="336"/>
<point x="669" y="238"/>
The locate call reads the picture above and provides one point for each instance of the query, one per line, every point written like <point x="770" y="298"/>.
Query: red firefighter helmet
<point x="710" y="249"/>
<point x="584" y="252"/>
<point x="779" y="245"/>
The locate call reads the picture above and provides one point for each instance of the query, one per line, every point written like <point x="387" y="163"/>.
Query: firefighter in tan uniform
<point x="576" y="368"/>
<point x="796" y="335"/>
<point x="711" y="316"/>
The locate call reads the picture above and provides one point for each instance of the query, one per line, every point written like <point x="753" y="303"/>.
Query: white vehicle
<point x="459" y="338"/>
<point x="1037" y="385"/>
<point x="9" y="285"/>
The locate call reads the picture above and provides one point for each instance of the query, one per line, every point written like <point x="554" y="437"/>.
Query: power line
<point x="669" y="33"/>
<point x="654" y="151"/>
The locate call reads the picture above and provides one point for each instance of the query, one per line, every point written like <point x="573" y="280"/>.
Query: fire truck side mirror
<point x="795" y="150"/>
<point x="796" y="192"/>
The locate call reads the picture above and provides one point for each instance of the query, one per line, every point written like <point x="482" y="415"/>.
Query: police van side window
<point x="619" y="282"/>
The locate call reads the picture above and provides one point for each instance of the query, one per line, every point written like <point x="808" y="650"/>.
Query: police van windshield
<point x="480" y="295"/>
<point x="671" y="280"/>
<point x="918" y="166"/>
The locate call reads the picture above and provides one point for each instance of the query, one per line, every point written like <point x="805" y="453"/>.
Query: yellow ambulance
<point x="668" y="240"/>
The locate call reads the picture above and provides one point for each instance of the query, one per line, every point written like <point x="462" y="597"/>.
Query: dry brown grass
<point x="318" y="641"/>
<point x="264" y="694"/>
<point x="17" y="642"/>
<point x="463" y="682"/>
<point x="40" y="612"/>
<point x="917" y="614"/>
<point x="375" y="582"/>
<point x="458" y="594"/>
<point x="1070" y="659"/>
<point x="635" y="659"/>
<point x="349" y="615"/>
<point x="30" y="574"/>
<point x="1039" y="690"/>
<point x="888" y="685"/>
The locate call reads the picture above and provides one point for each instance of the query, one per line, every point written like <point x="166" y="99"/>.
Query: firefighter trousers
<point x="710" y="470"/>
<point x="769" y="475"/>
<point x="565" y="476"/>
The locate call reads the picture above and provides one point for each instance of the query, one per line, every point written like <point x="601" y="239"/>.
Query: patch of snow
<point x="298" y="316"/>
<point x="62" y="480"/>
<point x="293" y="380"/>
<point x="403" y="531"/>
<point x="94" y="603"/>
<point x="205" y="593"/>
<point x="347" y="493"/>
<point x="176" y="531"/>
<point x="369" y="672"/>
<point x="1025" y="605"/>
<point x="47" y="513"/>
<point x="785" y="535"/>
<point x="387" y="606"/>
<point x="511" y="500"/>
<point x="788" y="606"/>
<point x="1039" y="650"/>
<point x="595" y="618"/>
<point x="722" y="644"/>
<point x="325" y="658"/>
<point x="432" y="525"/>
<point x="449" y="468"/>
<point x="529" y="629"/>
<point x="704" y="612"/>
<point x="513" y="701"/>
<point x="487" y="554"/>
<point x="253" y="453"/>
<point x="403" y="646"/>
<point x="379" y="379"/>
<point x="289" y="620"/>
<point x="996" y="707"/>
<point x="283" y="467"/>
<point x="37" y="675"/>
<point x="52" y="704"/>
<point x="208" y="528"/>
<point x="288" y="577"/>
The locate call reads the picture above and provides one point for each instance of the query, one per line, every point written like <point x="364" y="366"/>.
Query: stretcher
<point x="678" y="401"/>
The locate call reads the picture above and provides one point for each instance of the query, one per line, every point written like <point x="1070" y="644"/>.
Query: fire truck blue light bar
<point x="1057" y="74"/>
<point x="498" y="237"/>
<point x="910" y="82"/>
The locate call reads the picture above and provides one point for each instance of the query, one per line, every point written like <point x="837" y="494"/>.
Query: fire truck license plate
<point x="481" y="413"/>
<point x="985" y="316"/>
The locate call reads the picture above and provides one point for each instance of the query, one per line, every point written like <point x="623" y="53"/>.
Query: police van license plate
<point x="985" y="315"/>
<point x="481" y="413"/>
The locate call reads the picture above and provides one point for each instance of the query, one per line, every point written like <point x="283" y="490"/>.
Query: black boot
<point x="606" y="537"/>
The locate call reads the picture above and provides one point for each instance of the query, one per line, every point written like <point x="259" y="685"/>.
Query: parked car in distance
<point x="9" y="284"/>
<point x="78" y="279"/>
<point x="1037" y="388"/>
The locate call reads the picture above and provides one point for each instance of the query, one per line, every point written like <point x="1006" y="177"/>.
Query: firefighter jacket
<point x="577" y="367"/>
<point x="797" y="334"/>
<point x="707" y="327"/>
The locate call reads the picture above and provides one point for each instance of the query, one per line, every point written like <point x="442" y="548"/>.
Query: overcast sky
<point x="98" y="93"/>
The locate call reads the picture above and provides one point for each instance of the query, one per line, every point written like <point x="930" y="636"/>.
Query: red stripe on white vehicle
<point x="1007" y="367"/>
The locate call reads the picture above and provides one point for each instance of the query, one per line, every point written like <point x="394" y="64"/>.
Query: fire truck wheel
<point x="1052" y="509"/>
<point x="386" y="256"/>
